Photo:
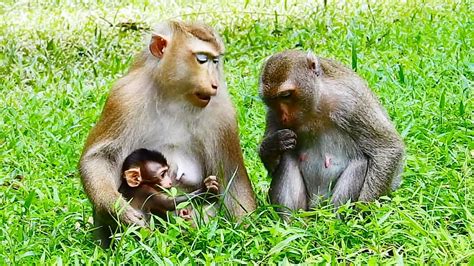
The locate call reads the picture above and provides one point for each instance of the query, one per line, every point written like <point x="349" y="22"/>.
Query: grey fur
<point x="348" y="150"/>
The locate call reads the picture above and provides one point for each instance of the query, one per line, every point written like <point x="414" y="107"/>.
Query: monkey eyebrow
<point x="288" y="85"/>
<point x="209" y="54"/>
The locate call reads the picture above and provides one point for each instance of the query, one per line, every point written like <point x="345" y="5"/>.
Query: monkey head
<point x="189" y="58"/>
<point x="289" y="86"/>
<point x="149" y="173"/>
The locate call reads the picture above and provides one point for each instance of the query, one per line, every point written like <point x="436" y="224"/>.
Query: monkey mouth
<point x="201" y="99"/>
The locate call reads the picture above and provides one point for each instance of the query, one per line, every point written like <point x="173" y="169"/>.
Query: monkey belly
<point x="322" y="160"/>
<point x="321" y="171"/>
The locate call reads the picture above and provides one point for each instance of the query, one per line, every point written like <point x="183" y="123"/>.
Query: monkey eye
<point x="215" y="60"/>
<point x="285" y="94"/>
<point x="163" y="173"/>
<point x="202" y="58"/>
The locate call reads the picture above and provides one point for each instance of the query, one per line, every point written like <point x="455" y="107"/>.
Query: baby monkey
<point x="144" y="178"/>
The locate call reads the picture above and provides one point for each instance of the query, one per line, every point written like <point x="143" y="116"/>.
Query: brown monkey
<point x="145" y="175"/>
<point x="173" y="99"/>
<point x="327" y="136"/>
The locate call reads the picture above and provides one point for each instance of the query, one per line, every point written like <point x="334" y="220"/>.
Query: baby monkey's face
<point x="158" y="173"/>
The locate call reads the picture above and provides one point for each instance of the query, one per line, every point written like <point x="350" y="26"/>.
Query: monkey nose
<point x="214" y="86"/>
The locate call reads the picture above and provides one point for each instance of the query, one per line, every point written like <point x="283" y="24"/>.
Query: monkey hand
<point x="185" y="214"/>
<point x="280" y="141"/>
<point x="211" y="184"/>
<point x="130" y="215"/>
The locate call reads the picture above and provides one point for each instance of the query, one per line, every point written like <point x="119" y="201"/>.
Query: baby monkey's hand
<point x="211" y="184"/>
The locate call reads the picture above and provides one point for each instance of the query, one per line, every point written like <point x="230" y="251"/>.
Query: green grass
<point x="59" y="59"/>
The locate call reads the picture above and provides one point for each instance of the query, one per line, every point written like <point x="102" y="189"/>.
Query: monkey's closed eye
<point x="202" y="58"/>
<point x="285" y="94"/>
<point x="215" y="60"/>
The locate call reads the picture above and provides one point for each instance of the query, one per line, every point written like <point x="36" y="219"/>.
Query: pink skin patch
<point x="327" y="161"/>
<point x="303" y="157"/>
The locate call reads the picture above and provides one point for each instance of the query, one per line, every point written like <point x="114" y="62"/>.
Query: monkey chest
<point x="320" y="167"/>
<point x="176" y="146"/>
<point x="323" y="158"/>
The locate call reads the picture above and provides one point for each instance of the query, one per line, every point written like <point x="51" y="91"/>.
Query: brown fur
<point x="201" y="31"/>
<point x="149" y="108"/>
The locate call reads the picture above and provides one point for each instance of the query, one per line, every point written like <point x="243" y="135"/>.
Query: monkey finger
<point x="214" y="184"/>
<point x="183" y="212"/>
<point x="210" y="178"/>
<point x="286" y="133"/>
<point x="288" y="148"/>
<point x="289" y="142"/>
<point x="213" y="189"/>
<point x="268" y="145"/>
<point x="132" y="216"/>
<point x="288" y="145"/>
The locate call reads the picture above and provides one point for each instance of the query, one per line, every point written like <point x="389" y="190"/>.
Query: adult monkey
<point x="327" y="136"/>
<point x="173" y="99"/>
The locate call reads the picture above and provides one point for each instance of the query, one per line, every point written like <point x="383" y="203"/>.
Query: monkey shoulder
<point x="335" y="69"/>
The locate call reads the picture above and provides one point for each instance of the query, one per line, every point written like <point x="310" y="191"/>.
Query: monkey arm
<point x="197" y="193"/>
<point x="384" y="167"/>
<point x="267" y="152"/>
<point x="98" y="176"/>
<point x="157" y="202"/>
<point x="273" y="145"/>
<point x="270" y="158"/>
<point x="240" y="197"/>
<point x="379" y="141"/>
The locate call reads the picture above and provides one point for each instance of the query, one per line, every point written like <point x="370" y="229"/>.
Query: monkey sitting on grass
<point x="327" y="135"/>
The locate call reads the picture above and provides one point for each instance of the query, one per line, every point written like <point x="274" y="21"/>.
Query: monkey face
<point x="192" y="68"/>
<point x="288" y="86"/>
<point x="158" y="174"/>
<point x="204" y="66"/>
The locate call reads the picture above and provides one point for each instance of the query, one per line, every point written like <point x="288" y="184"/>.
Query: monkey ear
<point x="313" y="63"/>
<point x="133" y="177"/>
<point x="157" y="45"/>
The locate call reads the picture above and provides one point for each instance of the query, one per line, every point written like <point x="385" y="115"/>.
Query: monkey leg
<point x="106" y="225"/>
<point x="350" y="183"/>
<point x="104" y="228"/>
<point x="287" y="188"/>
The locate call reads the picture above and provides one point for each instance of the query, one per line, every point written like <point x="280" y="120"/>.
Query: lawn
<point x="58" y="59"/>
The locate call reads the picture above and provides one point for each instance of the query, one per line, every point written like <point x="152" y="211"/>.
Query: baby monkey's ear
<point x="133" y="177"/>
